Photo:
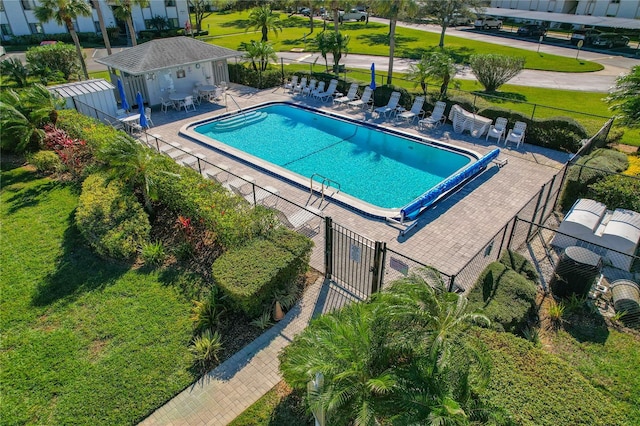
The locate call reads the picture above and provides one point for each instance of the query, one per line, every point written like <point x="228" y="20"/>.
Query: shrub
<point x="205" y="348"/>
<point x="45" y="161"/>
<point x="518" y="263"/>
<point x="79" y="126"/>
<point x="617" y="192"/>
<point x="505" y="296"/>
<point x="249" y="276"/>
<point x="239" y="73"/>
<point x="110" y="218"/>
<point x="73" y="153"/>
<point x="599" y="164"/>
<point x="492" y="71"/>
<point x="383" y="93"/>
<point x="58" y="57"/>
<point x="206" y="313"/>
<point x="153" y="253"/>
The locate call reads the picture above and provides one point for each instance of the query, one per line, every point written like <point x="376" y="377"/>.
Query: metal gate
<point x="353" y="259"/>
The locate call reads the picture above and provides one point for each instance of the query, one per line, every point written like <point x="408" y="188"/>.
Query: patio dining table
<point x="207" y="89"/>
<point x="132" y="118"/>
<point x="178" y="96"/>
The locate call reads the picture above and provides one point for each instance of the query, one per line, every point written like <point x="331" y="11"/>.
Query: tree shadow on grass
<point x="460" y="55"/>
<point x="291" y="411"/>
<point x="29" y="197"/>
<point x="587" y="326"/>
<point x="383" y="40"/>
<point x="240" y="24"/>
<point x="78" y="270"/>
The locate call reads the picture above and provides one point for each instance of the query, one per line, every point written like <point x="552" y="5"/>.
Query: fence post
<point x="533" y="112"/>
<point x="378" y="266"/>
<point x="452" y="280"/>
<point x="328" y="247"/>
<point x="504" y="234"/>
<point x="535" y="211"/>
<point x="546" y="201"/>
<point x="513" y="231"/>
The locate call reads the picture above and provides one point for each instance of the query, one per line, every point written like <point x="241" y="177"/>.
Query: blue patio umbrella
<point x="373" y="76"/>
<point x="123" y="96"/>
<point x="143" y="118"/>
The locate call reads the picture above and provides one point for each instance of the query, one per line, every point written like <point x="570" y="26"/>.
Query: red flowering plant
<point x="73" y="153"/>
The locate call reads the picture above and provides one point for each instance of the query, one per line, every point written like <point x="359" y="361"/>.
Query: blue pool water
<point x="380" y="168"/>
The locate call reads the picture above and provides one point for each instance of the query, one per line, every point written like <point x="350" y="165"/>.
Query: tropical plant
<point x="45" y="161"/>
<point x="443" y="12"/>
<point x="131" y="162"/>
<point x="153" y="253"/>
<point x="123" y="10"/>
<point x="206" y="313"/>
<point x="205" y="348"/>
<point x="65" y="12"/>
<point x="260" y="53"/>
<point x="332" y="42"/>
<point x="263" y="321"/>
<point x="13" y="69"/>
<point x="493" y="70"/>
<point x="555" y="312"/>
<point x="262" y="18"/>
<point x="159" y="22"/>
<point x="625" y="98"/>
<point x="103" y="28"/>
<point x="437" y="66"/>
<point x="532" y="334"/>
<point x="394" y="10"/>
<point x="53" y="62"/>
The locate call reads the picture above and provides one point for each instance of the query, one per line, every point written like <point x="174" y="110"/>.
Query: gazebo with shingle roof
<point x="158" y="67"/>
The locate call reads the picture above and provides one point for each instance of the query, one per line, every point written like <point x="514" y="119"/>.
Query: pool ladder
<point x="324" y="184"/>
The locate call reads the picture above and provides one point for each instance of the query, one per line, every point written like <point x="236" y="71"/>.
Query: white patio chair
<point x="436" y="118"/>
<point x="291" y="83"/>
<point x="300" y="87"/>
<point x="365" y="100"/>
<point x="327" y="94"/>
<point x="197" y="99"/>
<point x="497" y="130"/>
<point x="147" y="114"/>
<point x="187" y="103"/>
<point x="166" y="104"/>
<point x="415" y="111"/>
<point x="351" y="95"/>
<point x="310" y="88"/>
<point x="516" y="135"/>
<point x="390" y="107"/>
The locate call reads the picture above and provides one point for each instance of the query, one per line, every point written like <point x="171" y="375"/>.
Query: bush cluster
<point x="249" y="276"/>
<point x="45" y="161"/>
<point x="111" y="219"/>
<point x="79" y="126"/>
<point x="239" y="73"/>
<point x="617" y="192"/>
<point x="35" y="39"/>
<point x="505" y="296"/>
<point x="589" y="170"/>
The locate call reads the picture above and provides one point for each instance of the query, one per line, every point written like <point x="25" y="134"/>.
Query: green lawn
<point x="84" y="340"/>
<point x="228" y="30"/>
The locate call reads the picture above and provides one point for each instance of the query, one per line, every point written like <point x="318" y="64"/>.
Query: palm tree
<point x="625" y="97"/>
<point x="103" y="27"/>
<point x="123" y="11"/>
<point x="260" y="52"/>
<point x="64" y="12"/>
<point x="24" y="115"/>
<point x="14" y="69"/>
<point x="131" y="162"/>
<point x="334" y="42"/>
<point x="341" y="346"/>
<point x="262" y="18"/>
<point x="437" y="66"/>
<point x="394" y="9"/>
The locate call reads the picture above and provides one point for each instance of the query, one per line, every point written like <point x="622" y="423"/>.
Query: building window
<point x="6" y="30"/>
<point x="36" y="28"/>
<point x="170" y="3"/>
<point x="28" y="4"/>
<point x="173" y="23"/>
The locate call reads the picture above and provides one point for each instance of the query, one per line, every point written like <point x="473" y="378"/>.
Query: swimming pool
<point x="378" y="171"/>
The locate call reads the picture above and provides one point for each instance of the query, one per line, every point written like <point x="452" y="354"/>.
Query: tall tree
<point x="625" y="97"/>
<point x="260" y="53"/>
<point x="263" y="18"/>
<point x="201" y="9"/>
<point x="434" y="65"/>
<point x="124" y="11"/>
<point x="394" y="10"/>
<point x="103" y="27"/>
<point x="64" y="12"/>
<point x="443" y="12"/>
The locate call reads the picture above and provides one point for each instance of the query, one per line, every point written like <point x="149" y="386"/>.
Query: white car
<point x="351" y="15"/>
<point x="487" y="22"/>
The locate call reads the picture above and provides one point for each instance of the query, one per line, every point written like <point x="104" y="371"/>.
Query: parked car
<point x="487" y="22"/>
<point x="532" y="30"/>
<point x="458" y="19"/>
<point x="587" y="36"/>
<point x="610" y="40"/>
<point x="351" y="15"/>
<point x="305" y="11"/>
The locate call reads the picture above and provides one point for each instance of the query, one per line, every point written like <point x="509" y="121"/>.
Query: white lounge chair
<point x="300" y="87"/>
<point x="147" y="114"/>
<point x="497" y="130"/>
<point x="365" y="100"/>
<point x="390" y="107"/>
<point x="319" y="89"/>
<point x="310" y="88"/>
<point x="291" y="84"/>
<point x="351" y="95"/>
<point x="516" y="135"/>
<point x="301" y="218"/>
<point x="261" y="194"/>
<point x="327" y="94"/>
<point x="437" y="116"/>
<point x="415" y="111"/>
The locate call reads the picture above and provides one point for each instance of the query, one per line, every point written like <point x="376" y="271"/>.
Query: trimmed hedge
<point x="241" y="74"/>
<point x="518" y="263"/>
<point x="45" y="161"/>
<point x="506" y="297"/>
<point x="250" y="275"/>
<point x="79" y="126"/>
<point x="111" y="219"/>
<point x="600" y="164"/>
<point x="617" y="192"/>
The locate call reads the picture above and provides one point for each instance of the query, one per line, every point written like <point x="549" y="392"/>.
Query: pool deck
<point x="447" y="235"/>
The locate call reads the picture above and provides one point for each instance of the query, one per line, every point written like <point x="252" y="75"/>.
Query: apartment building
<point x="17" y="17"/>
<point x="629" y="9"/>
